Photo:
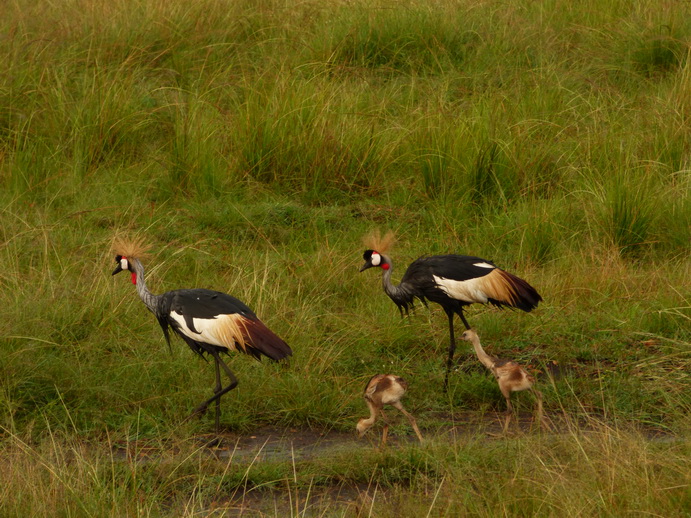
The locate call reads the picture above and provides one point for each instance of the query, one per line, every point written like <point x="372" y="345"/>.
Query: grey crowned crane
<point x="453" y="282"/>
<point x="210" y="322"/>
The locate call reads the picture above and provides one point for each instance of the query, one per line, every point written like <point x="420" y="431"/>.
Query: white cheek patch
<point x="123" y="263"/>
<point x="375" y="259"/>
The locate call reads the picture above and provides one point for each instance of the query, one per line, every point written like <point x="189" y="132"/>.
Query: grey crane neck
<point x="149" y="299"/>
<point x="389" y="287"/>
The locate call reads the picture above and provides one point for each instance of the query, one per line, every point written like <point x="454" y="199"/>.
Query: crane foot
<point x="198" y="412"/>
<point x="214" y="443"/>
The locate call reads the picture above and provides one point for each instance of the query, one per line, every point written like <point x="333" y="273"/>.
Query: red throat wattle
<point x="385" y="266"/>
<point x="134" y="278"/>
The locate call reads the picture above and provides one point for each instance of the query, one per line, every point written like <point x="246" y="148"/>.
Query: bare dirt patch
<point x="293" y="444"/>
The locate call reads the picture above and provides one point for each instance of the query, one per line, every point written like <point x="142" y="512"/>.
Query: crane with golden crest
<point x="452" y="281"/>
<point x="210" y="322"/>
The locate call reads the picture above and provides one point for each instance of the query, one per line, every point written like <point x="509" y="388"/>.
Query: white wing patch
<point x="223" y="330"/>
<point x="470" y="291"/>
<point x="484" y="265"/>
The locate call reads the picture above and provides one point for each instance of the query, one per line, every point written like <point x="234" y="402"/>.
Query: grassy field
<point x="253" y="145"/>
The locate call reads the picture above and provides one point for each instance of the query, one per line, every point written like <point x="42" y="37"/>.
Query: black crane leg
<point x="465" y="322"/>
<point x="452" y="349"/>
<point x="217" y="396"/>
<point x="217" y="389"/>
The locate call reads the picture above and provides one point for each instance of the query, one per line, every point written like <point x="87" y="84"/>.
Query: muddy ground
<point x="295" y="445"/>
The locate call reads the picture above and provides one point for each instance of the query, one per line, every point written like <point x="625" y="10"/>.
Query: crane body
<point x="453" y="281"/>
<point x="210" y="322"/>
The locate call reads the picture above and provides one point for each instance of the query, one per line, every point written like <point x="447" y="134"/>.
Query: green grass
<point x="601" y="471"/>
<point x="253" y="146"/>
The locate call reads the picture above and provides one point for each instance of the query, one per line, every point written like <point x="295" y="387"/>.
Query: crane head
<point x="373" y="258"/>
<point x="468" y="335"/>
<point x="124" y="264"/>
<point x="362" y="426"/>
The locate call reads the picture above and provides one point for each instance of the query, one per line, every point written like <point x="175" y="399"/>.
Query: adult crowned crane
<point x="452" y="281"/>
<point x="210" y="322"/>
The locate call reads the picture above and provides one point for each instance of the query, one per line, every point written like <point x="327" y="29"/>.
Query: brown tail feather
<point x="260" y="340"/>
<point x="513" y="291"/>
<point x="527" y="296"/>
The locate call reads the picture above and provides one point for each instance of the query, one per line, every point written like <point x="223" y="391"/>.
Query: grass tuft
<point x="630" y="214"/>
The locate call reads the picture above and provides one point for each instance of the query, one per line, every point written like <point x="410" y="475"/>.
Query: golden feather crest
<point x="130" y="247"/>
<point x="382" y="244"/>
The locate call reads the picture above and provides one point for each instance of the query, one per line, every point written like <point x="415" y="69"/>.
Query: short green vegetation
<point x="253" y="144"/>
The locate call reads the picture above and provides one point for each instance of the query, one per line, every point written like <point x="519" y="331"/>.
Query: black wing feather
<point x="206" y="304"/>
<point x="202" y="303"/>
<point x="163" y="322"/>
<point x="456" y="267"/>
<point x="419" y="281"/>
<point x="209" y="304"/>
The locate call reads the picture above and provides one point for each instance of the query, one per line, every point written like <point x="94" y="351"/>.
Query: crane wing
<point x="469" y="279"/>
<point x="211" y="318"/>
<point x="207" y="304"/>
<point x="455" y="267"/>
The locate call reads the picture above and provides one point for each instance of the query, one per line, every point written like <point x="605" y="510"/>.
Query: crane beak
<point x="117" y="270"/>
<point x="365" y="266"/>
